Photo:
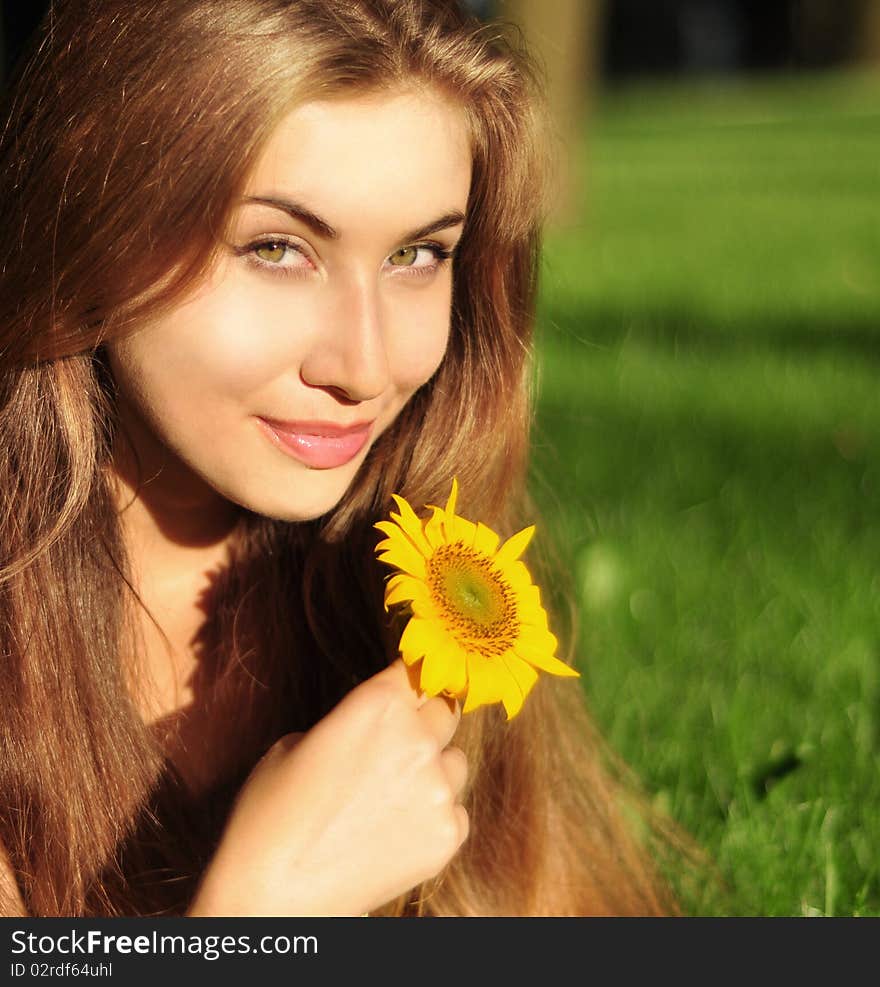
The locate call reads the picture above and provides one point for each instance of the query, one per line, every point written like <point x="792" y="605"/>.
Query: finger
<point x="455" y="766"/>
<point x="441" y="720"/>
<point x="402" y="677"/>
<point x="451" y="702"/>
<point x="406" y="678"/>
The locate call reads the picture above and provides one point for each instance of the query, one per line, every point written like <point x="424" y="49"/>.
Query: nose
<point x="349" y="357"/>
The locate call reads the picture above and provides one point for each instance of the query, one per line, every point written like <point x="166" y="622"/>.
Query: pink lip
<point x="319" y="445"/>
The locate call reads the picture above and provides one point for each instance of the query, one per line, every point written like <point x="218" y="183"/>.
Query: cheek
<point x="415" y="359"/>
<point x="416" y="349"/>
<point x="215" y="347"/>
<point x="227" y="343"/>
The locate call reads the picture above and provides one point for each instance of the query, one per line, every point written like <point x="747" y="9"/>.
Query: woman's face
<point x="329" y="307"/>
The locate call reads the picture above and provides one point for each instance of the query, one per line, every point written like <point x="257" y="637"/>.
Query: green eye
<point x="273" y="253"/>
<point x="405" y="257"/>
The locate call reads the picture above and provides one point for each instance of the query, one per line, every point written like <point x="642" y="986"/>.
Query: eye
<point x="423" y="258"/>
<point x="405" y="257"/>
<point x="279" y="253"/>
<point x="276" y="255"/>
<point x="272" y="253"/>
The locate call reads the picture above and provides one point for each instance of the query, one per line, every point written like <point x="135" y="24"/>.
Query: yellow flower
<point x="476" y="620"/>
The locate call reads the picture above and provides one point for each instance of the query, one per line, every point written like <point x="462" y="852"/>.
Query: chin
<point x="306" y="502"/>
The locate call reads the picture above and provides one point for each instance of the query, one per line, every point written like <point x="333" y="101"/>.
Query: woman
<point x="230" y="329"/>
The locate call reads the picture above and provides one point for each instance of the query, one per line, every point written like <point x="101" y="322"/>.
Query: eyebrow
<point x="320" y="226"/>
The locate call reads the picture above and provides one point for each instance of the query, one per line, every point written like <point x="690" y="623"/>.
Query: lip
<point x="316" y="444"/>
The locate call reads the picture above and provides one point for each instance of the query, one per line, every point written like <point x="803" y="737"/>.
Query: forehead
<point x="355" y="156"/>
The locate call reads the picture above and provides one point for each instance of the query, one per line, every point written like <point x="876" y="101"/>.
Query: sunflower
<point x="476" y="621"/>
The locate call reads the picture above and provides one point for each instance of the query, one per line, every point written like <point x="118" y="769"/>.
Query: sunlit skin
<point x="338" y="318"/>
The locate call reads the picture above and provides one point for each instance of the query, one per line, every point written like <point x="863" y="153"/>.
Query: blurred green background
<point x="707" y="455"/>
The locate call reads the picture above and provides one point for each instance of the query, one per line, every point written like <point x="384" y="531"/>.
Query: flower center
<point x="474" y="598"/>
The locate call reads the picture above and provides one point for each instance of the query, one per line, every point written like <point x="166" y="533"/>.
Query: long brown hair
<point x="132" y="129"/>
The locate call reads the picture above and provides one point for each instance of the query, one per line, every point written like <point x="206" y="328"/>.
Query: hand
<point x="348" y="816"/>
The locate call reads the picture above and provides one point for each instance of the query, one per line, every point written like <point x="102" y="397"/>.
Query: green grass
<point x="707" y="453"/>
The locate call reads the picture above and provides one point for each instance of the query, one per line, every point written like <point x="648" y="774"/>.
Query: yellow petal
<point x="485" y="539"/>
<point x="411" y="525"/>
<point x="459" y="529"/>
<point x="511" y="696"/>
<point x="528" y="596"/>
<point x="516" y="683"/>
<point x="515" y="545"/>
<point x="534" y="617"/>
<point x="530" y="606"/>
<point x="522" y="672"/>
<point x="423" y="606"/>
<point x="418" y="638"/>
<point x="553" y="666"/>
<point x="482" y="683"/>
<point x="453" y="497"/>
<point x="517" y="573"/>
<point x="400" y="589"/>
<point x="389" y="528"/>
<point x="458" y="667"/>
<point x="513" y="700"/>
<point x="537" y="639"/>
<point x="443" y="670"/>
<point x="434" y="529"/>
<point x="536" y="646"/>
<point x="396" y="536"/>
<point x="404" y="556"/>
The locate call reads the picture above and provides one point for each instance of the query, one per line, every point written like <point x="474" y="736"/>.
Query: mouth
<point x="317" y="444"/>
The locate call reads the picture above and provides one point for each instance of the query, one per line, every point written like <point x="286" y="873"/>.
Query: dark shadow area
<point x="210" y="746"/>
<point x="18" y="22"/>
